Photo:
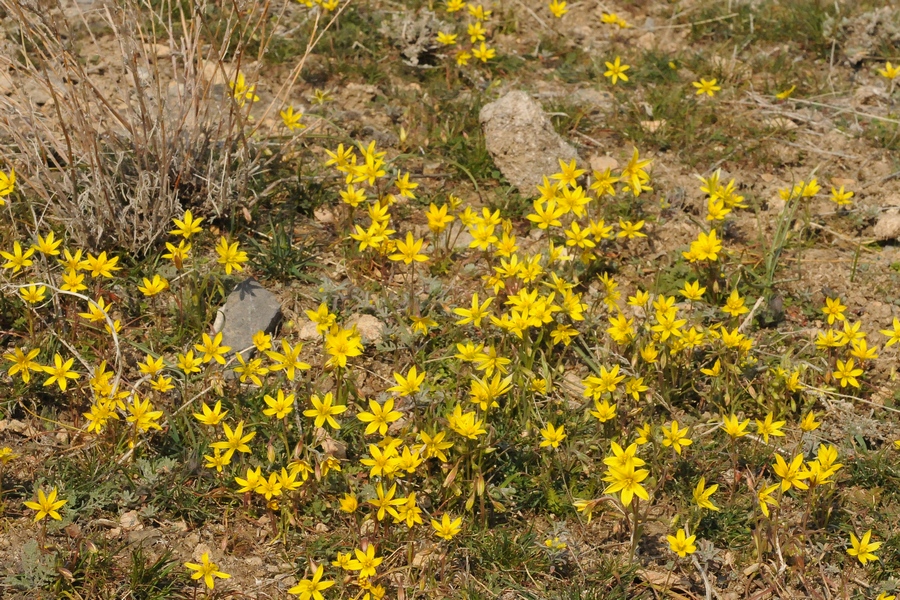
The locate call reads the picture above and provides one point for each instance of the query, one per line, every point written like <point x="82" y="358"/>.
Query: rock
<point x="309" y="333"/>
<point x="602" y="163"/>
<point x="16" y="426"/>
<point x="36" y="92"/>
<point x="652" y="126"/>
<point x="201" y="549"/>
<point x="249" y="308"/>
<point x="592" y="99"/>
<point x="158" y="50"/>
<point x="129" y="519"/>
<point x="369" y="328"/>
<point x="135" y="537"/>
<point x="381" y="138"/>
<point x="888" y="226"/>
<point x="522" y="141"/>
<point x="415" y="36"/>
<point x="358" y="96"/>
<point x="459" y="235"/>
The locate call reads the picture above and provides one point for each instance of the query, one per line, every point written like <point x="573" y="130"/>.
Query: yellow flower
<point x="217" y="461"/>
<point x="212" y="348"/>
<point x="6" y="455"/>
<point x="408" y="385"/>
<point x="280" y="406"/>
<point x="235" y="441"/>
<point x="682" y="545"/>
<point x="187" y="362"/>
<point x="422" y="324"/>
<point x="834" y="310"/>
<point x="47" y="246"/>
<point x="809" y="422"/>
<point x="483" y="53"/>
<point x="476" y="32"/>
<point x="365" y="562"/>
<point x="786" y="93"/>
<point x="734" y="305"/>
<point x="863" y="549"/>
<point x="702" y="494"/>
<point x="291" y="119"/>
<point x="841" y="197"/>
<point x="769" y="427"/>
<point x="154" y="286"/>
<point x="251" y="482"/>
<point x="380" y="416"/>
<point x="311" y="589"/>
<point x="242" y="92"/>
<point x="447" y="528"/>
<point x="211" y="416"/>
<point x="7" y="184"/>
<point x="17" y="260"/>
<point x="630" y="230"/>
<point x="324" y="411"/>
<point x="405" y="186"/>
<point x="478" y="12"/>
<point x="558" y="8"/>
<point x="675" y="437"/>
<point x="349" y="503"/>
<point x="475" y="314"/>
<point x="206" y="570"/>
<point x="627" y="480"/>
<point x="765" y="499"/>
<point x="101" y="266"/>
<point x="889" y="71"/>
<point x="23" y="363"/>
<point x="408" y="251"/>
<point x="447" y="39"/>
<point x="288" y="360"/>
<point x="466" y="424"/>
<point x="552" y="436"/>
<point x="229" y="256"/>
<point x="60" y="372"/>
<point x="616" y="70"/>
<point x="178" y="254"/>
<point x="73" y="281"/>
<point x="735" y="428"/>
<point x="46" y="505"/>
<point x="341" y="344"/>
<point x="604" y="411"/>
<point x="438" y="219"/>
<point x="186" y="226"/>
<point x="792" y="474"/>
<point x="692" y="291"/>
<point x="33" y="293"/>
<point x="846" y="373"/>
<point x="707" y="87"/>
<point x="142" y="414"/>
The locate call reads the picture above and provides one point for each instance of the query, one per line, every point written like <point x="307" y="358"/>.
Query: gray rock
<point x="249" y="308"/>
<point x="888" y="226"/>
<point x="370" y="329"/>
<point x="593" y="100"/>
<point x="522" y="141"/>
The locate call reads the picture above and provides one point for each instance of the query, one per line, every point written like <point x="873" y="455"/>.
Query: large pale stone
<point x="522" y="141"/>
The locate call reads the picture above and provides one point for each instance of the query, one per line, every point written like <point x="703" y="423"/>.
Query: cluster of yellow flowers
<point x="475" y="29"/>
